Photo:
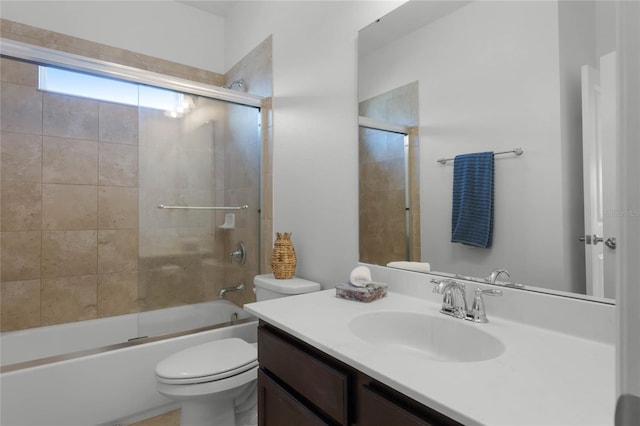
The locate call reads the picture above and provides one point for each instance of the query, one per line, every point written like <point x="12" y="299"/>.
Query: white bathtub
<point x="97" y="387"/>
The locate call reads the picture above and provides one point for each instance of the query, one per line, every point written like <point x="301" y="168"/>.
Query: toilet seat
<point x="208" y="362"/>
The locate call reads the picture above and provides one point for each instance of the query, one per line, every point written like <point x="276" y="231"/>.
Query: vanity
<point x="326" y="360"/>
<point x="298" y="384"/>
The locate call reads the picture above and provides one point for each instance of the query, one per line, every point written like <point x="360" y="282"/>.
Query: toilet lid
<point x="207" y="362"/>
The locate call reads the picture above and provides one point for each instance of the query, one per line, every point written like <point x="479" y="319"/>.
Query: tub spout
<point x="236" y="288"/>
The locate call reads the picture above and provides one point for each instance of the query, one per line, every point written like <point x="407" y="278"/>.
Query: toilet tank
<point x="268" y="287"/>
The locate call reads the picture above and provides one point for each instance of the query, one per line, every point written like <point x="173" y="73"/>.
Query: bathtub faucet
<point x="236" y="288"/>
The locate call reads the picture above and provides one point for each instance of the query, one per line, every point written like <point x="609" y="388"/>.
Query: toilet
<point x="216" y="382"/>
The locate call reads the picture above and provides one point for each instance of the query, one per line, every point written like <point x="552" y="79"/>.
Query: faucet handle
<point x="454" y="302"/>
<point x="478" y="312"/>
<point x="440" y="285"/>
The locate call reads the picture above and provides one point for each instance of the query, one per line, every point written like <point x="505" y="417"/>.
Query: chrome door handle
<point x="611" y="243"/>
<point x="596" y="239"/>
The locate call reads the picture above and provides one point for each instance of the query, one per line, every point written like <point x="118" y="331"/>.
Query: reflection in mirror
<point x="476" y="76"/>
<point x="388" y="192"/>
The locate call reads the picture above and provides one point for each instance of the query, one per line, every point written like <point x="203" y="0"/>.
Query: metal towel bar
<point x="162" y="206"/>
<point x="517" y="151"/>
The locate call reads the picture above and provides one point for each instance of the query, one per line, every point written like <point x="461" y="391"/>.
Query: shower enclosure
<point x="83" y="177"/>
<point x="388" y="176"/>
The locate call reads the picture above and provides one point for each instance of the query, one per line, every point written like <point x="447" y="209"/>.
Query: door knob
<point x="611" y="243"/>
<point x="596" y="239"/>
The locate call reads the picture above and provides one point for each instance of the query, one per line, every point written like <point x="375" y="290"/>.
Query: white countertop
<point x="542" y="378"/>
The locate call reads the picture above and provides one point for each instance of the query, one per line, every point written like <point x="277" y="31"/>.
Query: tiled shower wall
<point x="70" y="218"/>
<point x="176" y="247"/>
<point x="69" y="204"/>
<point x="382" y="179"/>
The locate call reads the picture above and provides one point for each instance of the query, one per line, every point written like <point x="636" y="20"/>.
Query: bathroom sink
<point x="434" y="337"/>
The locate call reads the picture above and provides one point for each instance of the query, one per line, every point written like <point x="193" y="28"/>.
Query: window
<point x="73" y="83"/>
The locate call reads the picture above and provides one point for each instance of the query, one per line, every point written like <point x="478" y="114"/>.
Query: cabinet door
<point x="306" y="373"/>
<point x="277" y="407"/>
<point x="378" y="410"/>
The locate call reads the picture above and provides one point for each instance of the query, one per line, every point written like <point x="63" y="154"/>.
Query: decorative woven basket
<point x="283" y="257"/>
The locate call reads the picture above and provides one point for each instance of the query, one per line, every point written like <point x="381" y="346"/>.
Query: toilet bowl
<point x="215" y="383"/>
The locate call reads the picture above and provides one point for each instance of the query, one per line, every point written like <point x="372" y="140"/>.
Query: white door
<point x="592" y="178"/>
<point x="610" y="152"/>
<point x="599" y="173"/>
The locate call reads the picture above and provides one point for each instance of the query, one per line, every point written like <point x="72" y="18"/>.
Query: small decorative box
<point x="371" y="292"/>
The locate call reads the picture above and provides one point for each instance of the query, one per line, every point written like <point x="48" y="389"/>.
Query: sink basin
<point x="435" y="337"/>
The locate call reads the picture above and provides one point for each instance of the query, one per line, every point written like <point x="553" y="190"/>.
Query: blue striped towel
<point x="472" y="206"/>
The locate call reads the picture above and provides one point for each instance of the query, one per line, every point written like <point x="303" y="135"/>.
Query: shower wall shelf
<point x="162" y="206"/>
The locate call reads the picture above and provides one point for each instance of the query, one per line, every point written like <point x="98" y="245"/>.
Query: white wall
<point x="577" y="43"/>
<point x="587" y="31"/>
<point x="481" y="90"/>
<point x="163" y="29"/>
<point x="628" y="339"/>
<point x="315" y="123"/>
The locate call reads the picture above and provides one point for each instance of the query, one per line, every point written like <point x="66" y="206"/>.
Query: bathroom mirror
<point x="494" y="76"/>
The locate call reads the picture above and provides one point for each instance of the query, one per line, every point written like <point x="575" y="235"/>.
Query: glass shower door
<point x="201" y="162"/>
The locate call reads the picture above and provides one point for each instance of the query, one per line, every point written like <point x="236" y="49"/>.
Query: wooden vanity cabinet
<point x="276" y="406"/>
<point x="299" y="385"/>
<point x="319" y="384"/>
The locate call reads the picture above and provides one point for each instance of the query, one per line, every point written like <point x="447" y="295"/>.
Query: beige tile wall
<point x="177" y="156"/>
<point x="69" y="203"/>
<point x="414" y="194"/>
<point x="381" y="197"/>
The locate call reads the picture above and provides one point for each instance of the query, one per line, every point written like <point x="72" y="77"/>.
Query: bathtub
<point x="89" y="373"/>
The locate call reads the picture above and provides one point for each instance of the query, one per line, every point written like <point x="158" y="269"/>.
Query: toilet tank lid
<point x="293" y="285"/>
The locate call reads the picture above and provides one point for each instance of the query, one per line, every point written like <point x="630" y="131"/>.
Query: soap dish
<point x="371" y="292"/>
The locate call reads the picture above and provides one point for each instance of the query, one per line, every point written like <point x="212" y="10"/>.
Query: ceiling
<point x="215" y="7"/>
<point x="402" y="21"/>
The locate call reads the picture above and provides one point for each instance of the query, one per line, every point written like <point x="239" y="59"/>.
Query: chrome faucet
<point x="454" y="301"/>
<point x="491" y="279"/>
<point x="478" y="312"/>
<point x="236" y="288"/>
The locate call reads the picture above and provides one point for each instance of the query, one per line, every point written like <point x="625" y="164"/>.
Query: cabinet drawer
<point x="379" y="409"/>
<point x="278" y="408"/>
<point x="321" y="384"/>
